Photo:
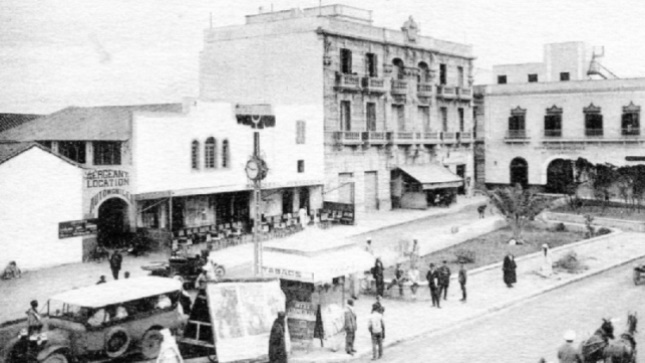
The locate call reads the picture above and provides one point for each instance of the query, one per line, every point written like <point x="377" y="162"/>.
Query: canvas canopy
<point x="317" y="268"/>
<point x="433" y="176"/>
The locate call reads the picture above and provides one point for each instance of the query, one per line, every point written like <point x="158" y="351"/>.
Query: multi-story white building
<point x="540" y="116"/>
<point x="394" y="106"/>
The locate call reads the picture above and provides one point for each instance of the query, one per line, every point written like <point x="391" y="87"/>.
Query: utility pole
<point x="257" y="190"/>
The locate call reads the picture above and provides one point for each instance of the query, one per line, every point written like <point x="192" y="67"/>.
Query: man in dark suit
<point x="431" y="276"/>
<point x="444" y="279"/>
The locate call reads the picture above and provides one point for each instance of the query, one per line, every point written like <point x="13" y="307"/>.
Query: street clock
<point x="256" y="169"/>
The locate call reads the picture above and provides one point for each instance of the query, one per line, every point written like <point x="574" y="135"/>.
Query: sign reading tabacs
<point x="84" y="227"/>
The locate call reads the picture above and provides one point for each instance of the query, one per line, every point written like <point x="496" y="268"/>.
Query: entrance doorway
<point x="519" y="172"/>
<point x="461" y="172"/>
<point x="303" y="198"/>
<point x="559" y="174"/>
<point x="113" y="225"/>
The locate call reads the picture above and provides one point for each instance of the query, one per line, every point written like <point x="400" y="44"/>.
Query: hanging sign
<point x="71" y="229"/>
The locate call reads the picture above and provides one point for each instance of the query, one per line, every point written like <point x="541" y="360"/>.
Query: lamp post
<point x="256" y="170"/>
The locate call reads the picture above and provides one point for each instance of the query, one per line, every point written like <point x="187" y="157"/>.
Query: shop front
<point x="314" y="283"/>
<point x="423" y="186"/>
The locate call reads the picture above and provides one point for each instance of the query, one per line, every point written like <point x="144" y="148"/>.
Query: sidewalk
<point x="487" y="293"/>
<point x="41" y="284"/>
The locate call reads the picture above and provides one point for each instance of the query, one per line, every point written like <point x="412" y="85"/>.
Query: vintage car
<point x="185" y="266"/>
<point x="109" y="320"/>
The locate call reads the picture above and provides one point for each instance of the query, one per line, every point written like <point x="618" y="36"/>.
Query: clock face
<point x="252" y="169"/>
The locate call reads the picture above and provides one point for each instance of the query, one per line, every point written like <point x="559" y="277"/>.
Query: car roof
<point x="119" y="291"/>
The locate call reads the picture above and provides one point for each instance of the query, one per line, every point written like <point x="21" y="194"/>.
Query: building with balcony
<point x="389" y="99"/>
<point x="534" y="128"/>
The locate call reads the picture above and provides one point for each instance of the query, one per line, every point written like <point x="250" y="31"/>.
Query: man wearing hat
<point x="350" y="327"/>
<point x="567" y="353"/>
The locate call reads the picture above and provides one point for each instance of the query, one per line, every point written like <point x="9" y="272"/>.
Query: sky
<point x="55" y="54"/>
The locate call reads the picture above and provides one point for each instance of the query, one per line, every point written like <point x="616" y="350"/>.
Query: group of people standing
<point x="439" y="281"/>
<point x="375" y="325"/>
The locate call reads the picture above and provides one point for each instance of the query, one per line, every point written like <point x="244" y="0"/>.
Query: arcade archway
<point x="559" y="174"/>
<point x="113" y="223"/>
<point x="519" y="171"/>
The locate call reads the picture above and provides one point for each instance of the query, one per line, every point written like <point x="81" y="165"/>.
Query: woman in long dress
<point x="509" y="267"/>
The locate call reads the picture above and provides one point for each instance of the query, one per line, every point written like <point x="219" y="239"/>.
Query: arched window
<point x="209" y="153"/>
<point x="194" y="155"/>
<point x="424" y="73"/>
<point x="225" y="154"/>
<point x="399" y="68"/>
<point x="519" y="171"/>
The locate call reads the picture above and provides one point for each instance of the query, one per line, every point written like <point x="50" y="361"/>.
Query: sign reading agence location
<point x="106" y="178"/>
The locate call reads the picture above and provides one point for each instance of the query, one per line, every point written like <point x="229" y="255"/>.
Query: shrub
<point x="560" y="227"/>
<point x="570" y="263"/>
<point x="602" y="231"/>
<point x="465" y="256"/>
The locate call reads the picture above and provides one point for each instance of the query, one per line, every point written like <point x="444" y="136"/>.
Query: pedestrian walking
<point x="377" y="272"/>
<point x="567" y="353"/>
<point x="350" y="327"/>
<point x="101" y="280"/>
<point x="444" y="279"/>
<point x="509" y="268"/>
<point x="463" y="278"/>
<point x="34" y="320"/>
<point x="376" y="326"/>
<point x="115" y="264"/>
<point x="414" y="254"/>
<point x="433" y="285"/>
<point x="399" y="279"/>
<point x="277" y="343"/>
<point x="413" y="277"/>
<point x="482" y="211"/>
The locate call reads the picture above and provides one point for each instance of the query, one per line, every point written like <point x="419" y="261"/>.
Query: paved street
<point x="529" y="331"/>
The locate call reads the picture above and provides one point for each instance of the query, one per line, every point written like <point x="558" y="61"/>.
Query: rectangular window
<point x="107" y="152"/>
<point x="517" y="126"/>
<point x="301" y="166"/>
<point x="443" y="74"/>
<point x="345" y="61"/>
<point x="461" y="119"/>
<point x="444" y="119"/>
<point x="593" y="124"/>
<point x="501" y="79"/>
<point x="564" y="76"/>
<point x="370" y="113"/>
<point x="300" y="132"/>
<point x="424" y="117"/>
<point x="345" y="116"/>
<point x="370" y="59"/>
<point x="398" y="115"/>
<point x="533" y="78"/>
<point x="460" y="71"/>
<point x="553" y="125"/>
<point x="630" y="124"/>
<point x="73" y="150"/>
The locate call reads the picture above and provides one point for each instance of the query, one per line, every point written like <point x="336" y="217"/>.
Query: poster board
<point x="243" y="313"/>
<point x="301" y="320"/>
<point x="85" y="227"/>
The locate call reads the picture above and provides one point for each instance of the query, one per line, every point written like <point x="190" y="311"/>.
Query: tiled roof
<point x="9" y="150"/>
<point x="84" y="123"/>
<point x="11" y="120"/>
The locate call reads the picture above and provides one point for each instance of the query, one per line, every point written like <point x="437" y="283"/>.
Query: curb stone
<point x="494" y="309"/>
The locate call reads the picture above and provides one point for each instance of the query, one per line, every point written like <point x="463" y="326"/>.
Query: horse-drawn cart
<point x="639" y="274"/>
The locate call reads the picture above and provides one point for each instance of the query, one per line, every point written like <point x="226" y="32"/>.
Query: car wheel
<point x="117" y="342"/>
<point x="220" y="272"/>
<point x="56" y="358"/>
<point x="151" y="343"/>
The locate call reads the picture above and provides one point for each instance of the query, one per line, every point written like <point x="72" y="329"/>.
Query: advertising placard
<point x="86" y="227"/>
<point x="301" y="322"/>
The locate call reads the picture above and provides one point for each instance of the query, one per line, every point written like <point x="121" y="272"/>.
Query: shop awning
<point x="317" y="269"/>
<point x="433" y="176"/>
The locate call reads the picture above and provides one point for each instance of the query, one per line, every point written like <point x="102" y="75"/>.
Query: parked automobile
<point x="187" y="267"/>
<point x="109" y="320"/>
